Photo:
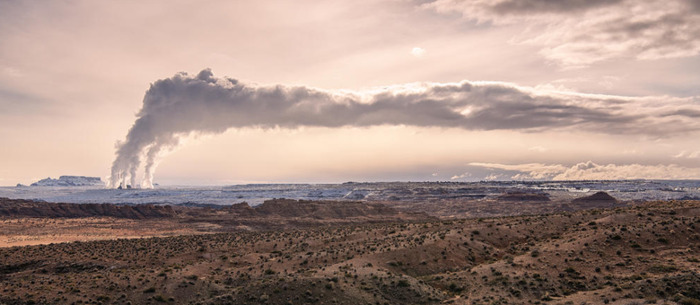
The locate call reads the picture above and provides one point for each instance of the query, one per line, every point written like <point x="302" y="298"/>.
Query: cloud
<point x="548" y="6"/>
<point x="203" y="104"/>
<point x="495" y="177"/>
<point x="462" y="176"/>
<point x="688" y="154"/>
<point x="592" y="171"/>
<point x="417" y="52"/>
<point x="577" y="33"/>
<point x="535" y="171"/>
<point x="538" y="148"/>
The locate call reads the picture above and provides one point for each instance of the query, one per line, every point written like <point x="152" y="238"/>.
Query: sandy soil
<point x="37" y="231"/>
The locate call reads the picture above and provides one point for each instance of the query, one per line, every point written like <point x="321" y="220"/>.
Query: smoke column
<point x="186" y="104"/>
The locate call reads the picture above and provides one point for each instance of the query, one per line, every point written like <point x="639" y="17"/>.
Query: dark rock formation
<point x="597" y="197"/>
<point x="273" y="210"/>
<point x="597" y="200"/>
<point x="241" y="209"/>
<point x="289" y="208"/>
<point x="28" y="208"/>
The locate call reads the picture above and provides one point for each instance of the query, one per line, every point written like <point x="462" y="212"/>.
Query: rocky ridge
<point x="28" y="208"/>
<point x="70" y="181"/>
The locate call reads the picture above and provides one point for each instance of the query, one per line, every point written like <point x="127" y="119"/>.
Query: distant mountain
<point x="70" y="181"/>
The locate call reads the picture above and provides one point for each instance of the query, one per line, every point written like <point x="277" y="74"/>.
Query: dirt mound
<point x="597" y="197"/>
<point x="28" y="208"/>
<point x="597" y="200"/>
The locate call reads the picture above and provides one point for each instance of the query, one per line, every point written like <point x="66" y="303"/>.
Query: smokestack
<point x="185" y="104"/>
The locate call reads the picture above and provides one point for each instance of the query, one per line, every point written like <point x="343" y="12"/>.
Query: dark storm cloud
<point x="694" y="5"/>
<point x="661" y="34"/>
<point x="548" y="6"/>
<point x="690" y="113"/>
<point x="577" y="33"/>
<point x="186" y="104"/>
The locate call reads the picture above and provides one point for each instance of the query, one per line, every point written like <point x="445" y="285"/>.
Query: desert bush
<point x="455" y="288"/>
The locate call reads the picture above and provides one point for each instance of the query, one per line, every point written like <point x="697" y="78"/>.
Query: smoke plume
<point x="203" y="104"/>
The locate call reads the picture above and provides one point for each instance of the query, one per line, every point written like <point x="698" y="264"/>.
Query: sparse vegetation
<point x="500" y="260"/>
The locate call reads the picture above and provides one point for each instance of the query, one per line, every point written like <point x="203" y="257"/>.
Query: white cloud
<point x="592" y="171"/>
<point x="533" y="170"/>
<point x="495" y="177"/>
<point x="688" y="154"/>
<point x="538" y="148"/>
<point x="418" y="52"/>
<point x="462" y="176"/>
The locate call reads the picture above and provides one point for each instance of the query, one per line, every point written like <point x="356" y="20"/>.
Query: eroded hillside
<point x="637" y="254"/>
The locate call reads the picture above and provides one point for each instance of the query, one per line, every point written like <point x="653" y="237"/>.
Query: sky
<point x="229" y="92"/>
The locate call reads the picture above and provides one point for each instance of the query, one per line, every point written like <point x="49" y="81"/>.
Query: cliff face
<point x="271" y="210"/>
<point x="70" y="181"/>
<point x="27" y="208"/>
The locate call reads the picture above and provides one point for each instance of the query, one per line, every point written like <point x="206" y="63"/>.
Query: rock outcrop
<point x="597" y="200"/>
<point x="70" y="181"/>
<point x="28" y="208"/>
<point x="597" y="197"/>
<point x="288" y="208"/>
<point x="241" y="209"/>
<point x="270" y="210"/>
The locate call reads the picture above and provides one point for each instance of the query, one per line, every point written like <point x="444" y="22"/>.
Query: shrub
<point x="454" y="288"/>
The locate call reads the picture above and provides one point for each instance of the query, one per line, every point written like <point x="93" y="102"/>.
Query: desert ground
<point x="38" y="231"/>
<point x="642" y="253"/>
